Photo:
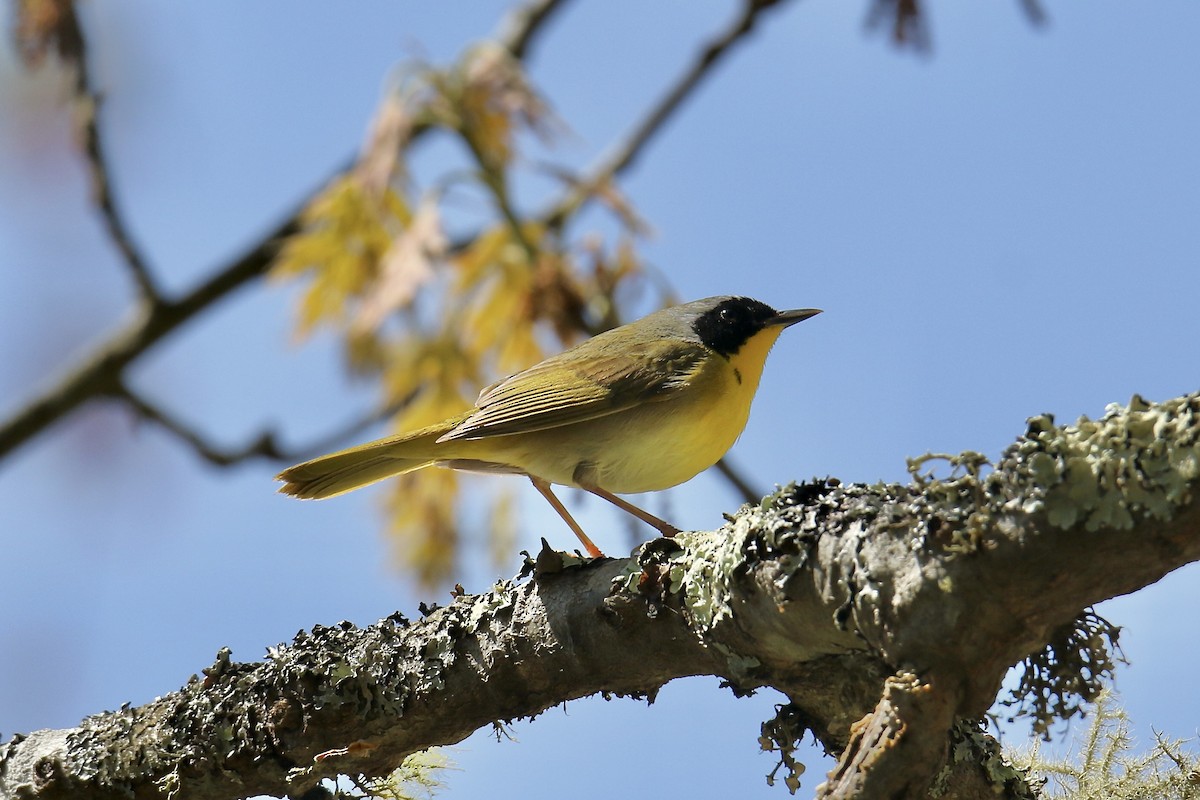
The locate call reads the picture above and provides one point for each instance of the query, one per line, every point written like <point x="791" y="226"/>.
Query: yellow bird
<point x="640" y="408"/>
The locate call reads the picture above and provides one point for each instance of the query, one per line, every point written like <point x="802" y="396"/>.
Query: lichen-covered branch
<point x="887" y="614"/>
<point x="343" y="700"/>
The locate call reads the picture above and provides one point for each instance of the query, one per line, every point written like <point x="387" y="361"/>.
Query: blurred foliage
<point x="42" y="26"/>
<point x="1107" y="768"/>
<point x="434" y="318"/>
<point x="419" y="777"/>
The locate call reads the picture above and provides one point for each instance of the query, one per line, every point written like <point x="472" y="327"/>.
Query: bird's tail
<point x="345" y="470"/>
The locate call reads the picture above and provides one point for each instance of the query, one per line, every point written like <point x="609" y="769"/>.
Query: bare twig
<point x="906" y="21"/>
<point x="628" y="149"/>
<point x="1034" y="13"/>
<point x="523" y="23"/>
<point x="100" y="372"/>
<point x="87" y="109"/>
<point x="737" y="481"/>
<point x="264" y="445"/>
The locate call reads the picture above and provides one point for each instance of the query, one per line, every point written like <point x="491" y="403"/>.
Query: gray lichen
<point x="695" y="574"/>
<point x="1143" y="458"/>
<point x="970" y="744"/>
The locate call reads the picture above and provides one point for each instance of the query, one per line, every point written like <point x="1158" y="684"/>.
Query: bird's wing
<point x="577" y="386"/>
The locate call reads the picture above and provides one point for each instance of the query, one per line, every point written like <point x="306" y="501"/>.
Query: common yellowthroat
<point x="639" y="408"/>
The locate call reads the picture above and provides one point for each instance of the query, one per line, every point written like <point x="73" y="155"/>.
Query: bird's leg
<point x="663" y="527"/>
<point x="544" y="487"/>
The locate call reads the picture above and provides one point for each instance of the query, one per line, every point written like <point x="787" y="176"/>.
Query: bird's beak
<point x="785" y="318"/>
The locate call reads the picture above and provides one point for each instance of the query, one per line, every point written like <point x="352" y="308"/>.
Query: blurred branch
<point x="264" y="445"/>
<point x="740" y="484"/>
<point x="100" y="372"/>
<point x="627" y="150"/>
<point x="908" y="20"/>
<point x="53" y="25"/>
<point x="1034" y="12"/>
<point x="87" y="109"/>
<point x="905" y="19"/>
<point x="521" y="24"/>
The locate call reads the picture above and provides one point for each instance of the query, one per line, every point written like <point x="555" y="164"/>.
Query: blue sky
<point x="1001" y="228"/>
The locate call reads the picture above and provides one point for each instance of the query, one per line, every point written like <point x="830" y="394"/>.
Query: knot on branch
<point x="892" y="747"/>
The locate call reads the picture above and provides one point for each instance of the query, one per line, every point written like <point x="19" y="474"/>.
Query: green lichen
<point x="501" y="599"/>
<point x="703" y="570"/>
<point x="1071" y="671"/>
<point x="958" y="499"/>
<point x="740" y="666"/>
<point x="1136" y="461"/>
<point x="437" y="657"/>
<point x="1140" y="460"/>
<point x="970" y="744"/>
<point x="1104" y="764"/>
<point x="694" y="573"/>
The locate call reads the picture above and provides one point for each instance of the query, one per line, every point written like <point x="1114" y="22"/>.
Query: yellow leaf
<point x="407" y="265"/>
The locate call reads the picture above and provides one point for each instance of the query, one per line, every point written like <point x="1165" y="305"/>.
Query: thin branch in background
<point x="1034" y="13"/>
<point x="54" y="25"/>
<point x="42" y="27"/>
<point x="99" y="371"/>
<point x="264" y="445"/>
<point x="905" y="19"/>
<point x="623" y="154"/>
<point x="908" y="20"/>
<point x="523" y="23"/>
<point x="730" y="473"/>
<point x="87" y="108"/>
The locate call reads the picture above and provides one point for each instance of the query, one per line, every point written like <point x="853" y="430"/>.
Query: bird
<point x="638" y="408"/>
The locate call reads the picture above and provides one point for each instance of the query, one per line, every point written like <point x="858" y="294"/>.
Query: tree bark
<point x="888" y="614"/>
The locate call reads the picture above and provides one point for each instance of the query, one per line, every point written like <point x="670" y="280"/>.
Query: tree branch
<point x="524" y="23"/>
<point x="264" y="445"/>
<point x="392" y="689"/>
<point x="87" y="109"/>
<point x="100" y="372"/>
<point x="623" y="153"/>
<point x="822" y="593"/>
<point x="627" y="150"/>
